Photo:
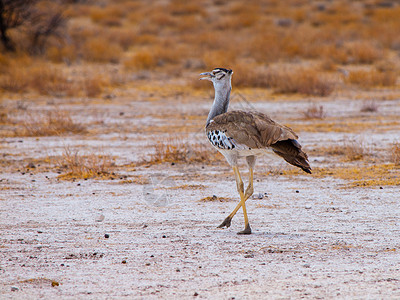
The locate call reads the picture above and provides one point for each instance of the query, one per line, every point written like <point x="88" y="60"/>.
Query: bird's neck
<point x="221" y="102"/>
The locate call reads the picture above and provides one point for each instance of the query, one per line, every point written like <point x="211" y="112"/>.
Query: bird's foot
<point x="247" y="230"/>
<point x="226" y="222"/>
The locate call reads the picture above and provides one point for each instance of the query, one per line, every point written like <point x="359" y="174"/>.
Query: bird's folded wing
<point x="251" y="129"/>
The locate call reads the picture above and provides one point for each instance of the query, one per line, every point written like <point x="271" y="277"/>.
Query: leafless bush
<point x="37" y="23"/>
<point x="395" y="153"/>
<point x="78" y="166"/>
<point x="314" y="112"/>
<point x="53" y="123"/>
<point x="13" y="13"/>
<point x="369" y="106"/>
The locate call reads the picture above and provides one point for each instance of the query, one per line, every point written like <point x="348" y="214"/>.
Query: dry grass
<point x="142" y="60"/>
<point x="395" y="153"/>
<point x="15" y="81"/>
<point x="314" y="112"/>
<point x="52" y="123"/>
<point x="76" y="166"/>
<point x="178" y="151"/>
<point x="302" y="81"/>
<point x="348" y="151"/>
<point x="369" y="106"/>
<point x="175" y="36"/>
<point x="355" y="150"/>
<point x="215" y="198"/>
<point x="96" y="49"/>
<point x="371" y="78"/>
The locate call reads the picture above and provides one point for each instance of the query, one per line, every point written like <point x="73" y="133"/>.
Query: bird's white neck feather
<point x="221" y="99"/>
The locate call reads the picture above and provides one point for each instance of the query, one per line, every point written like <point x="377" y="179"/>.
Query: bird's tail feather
<point x="290" y="150"/>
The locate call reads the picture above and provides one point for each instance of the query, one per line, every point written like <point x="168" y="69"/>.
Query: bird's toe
<point x="226" y="223"/>
<point x="247" y="230"/>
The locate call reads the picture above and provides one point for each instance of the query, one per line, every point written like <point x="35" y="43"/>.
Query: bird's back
<point x="244" y="131"/>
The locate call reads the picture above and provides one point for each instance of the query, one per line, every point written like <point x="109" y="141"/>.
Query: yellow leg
<point x="243" y="198"/>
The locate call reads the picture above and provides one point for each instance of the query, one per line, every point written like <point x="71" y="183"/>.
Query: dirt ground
<point x="148" y="233"/>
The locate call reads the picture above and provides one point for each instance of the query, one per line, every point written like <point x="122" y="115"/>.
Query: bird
<point x="246" y="134"/>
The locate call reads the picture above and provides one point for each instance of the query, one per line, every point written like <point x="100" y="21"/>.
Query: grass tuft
<point x="371" y="78"/>
<point x="314" y="112"/>
<point x="395" y="153"/>
<point x="302" y="81"/>
<point x="78" y="166"/>
<point x="53" y="123"/>
<point x="369" y="106"/>
<point x="177" y="151"/>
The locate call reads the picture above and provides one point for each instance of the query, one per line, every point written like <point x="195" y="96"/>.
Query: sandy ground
<point x="102" y="239"/>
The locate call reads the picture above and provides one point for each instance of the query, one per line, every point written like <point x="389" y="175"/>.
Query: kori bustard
<point x="239" y="134"/>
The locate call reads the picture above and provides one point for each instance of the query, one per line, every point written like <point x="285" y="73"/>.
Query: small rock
<point x="164" y="236"/>
<point x="195" y="294"/>
<point x="14" y="289"/>
<point x="100" y="218"/>
<point x="177" y="270"/>
<point x="106" y="235"/>
<point x="54" y="283"/>
<point x="31" y="165"/>
<point x="147" y="264"/>
<point x="297" y="191"/>
<point x="124" y="261"/>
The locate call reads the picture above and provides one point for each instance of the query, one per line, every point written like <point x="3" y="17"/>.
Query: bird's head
<point x="219" y="77"/>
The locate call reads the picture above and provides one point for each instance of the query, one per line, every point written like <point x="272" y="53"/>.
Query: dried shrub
<point x="395" y="153"/>
<point x="78" y="166"/>
<point x="363" y="52"/>
<point x="371" y="78"/>
<point x="52" y="123"/>
<point x="314" y="112"/>
<point x="124" y="37"/>
<point x="93" y="86"/>
<point x="248" y="75"/>
<point x="303" y="81"/>
<point x="369" y="106"/>
<point x="108" y="16"/>
<point x="219" y="58"/>
<point x="178" y="151"/>
<point x="67" y="54"/>
<point x="48" y="80"/>
<point x="16" y="80"/>
<point x="97" y="50"/>
<point x="354" y="150"/>
<point x="182" y="8"/>
<point x="142" y="60"/>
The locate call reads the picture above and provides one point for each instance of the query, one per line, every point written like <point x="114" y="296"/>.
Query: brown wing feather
<point x="253" y="129"/>
<point x="257" y="130"/>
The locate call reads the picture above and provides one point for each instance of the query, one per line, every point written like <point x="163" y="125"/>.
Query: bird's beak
<point x="208" y="76"/>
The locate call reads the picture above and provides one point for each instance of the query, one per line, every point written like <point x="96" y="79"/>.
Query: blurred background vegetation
<point x="82" y="47"/>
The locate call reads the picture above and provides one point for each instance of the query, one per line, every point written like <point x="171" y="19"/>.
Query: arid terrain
<point x="110" y="189"/>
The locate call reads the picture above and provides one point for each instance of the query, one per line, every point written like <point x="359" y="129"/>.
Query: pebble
<point x="100" y="218"/>
<point x="14" y="289"/>
<point x="106" y="235"/>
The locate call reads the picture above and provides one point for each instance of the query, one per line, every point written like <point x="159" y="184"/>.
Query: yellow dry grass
<point x="77" y="166"/>
<point x="178" y="151"/>
<point x="360" y="175"/>
<point x="53" y="123"/>
<point x="395" y="153"/>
